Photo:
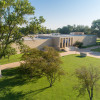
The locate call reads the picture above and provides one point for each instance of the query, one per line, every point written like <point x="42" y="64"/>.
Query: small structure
<point x="82" y="54"/>
<point x="77" y="33"/>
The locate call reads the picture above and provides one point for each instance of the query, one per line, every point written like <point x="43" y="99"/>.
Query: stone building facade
<point x="59" y="42"/>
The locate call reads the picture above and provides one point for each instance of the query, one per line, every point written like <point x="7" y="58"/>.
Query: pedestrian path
<point x="10" y="65"/>
<point x="86" y="50"/>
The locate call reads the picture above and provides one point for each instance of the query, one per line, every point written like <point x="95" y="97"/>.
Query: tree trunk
<point x="50" y="84"/>
<point x="91" y="97"/>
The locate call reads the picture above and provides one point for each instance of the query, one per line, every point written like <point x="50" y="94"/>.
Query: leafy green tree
<point x="10" y="51"/>
<point x="66" y="29"/>
<point x="33" y="65"/>
<point x="82" y="28"/>
<point x="78" y="44"/>
<point x="52" y="70"/>
<point x="35" y="25"/>
<point x="24" y="48"/>
<point x="96" y="27"/>
<point x="88" y="78"/>
<point x="42" y="63"/>
<point x="79" y="28"/>
<point x="12" y="15"/>
<point x="43" y="30"/>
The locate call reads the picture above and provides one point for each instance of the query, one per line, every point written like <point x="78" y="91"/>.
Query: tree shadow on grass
<point x="80" y="56"/>
<point x="10" y="72"/>
<point x="10" y="79"/>
<point x="35" y="92"/>
<point x="12" y="96"/>
<point x="19" y="95"/>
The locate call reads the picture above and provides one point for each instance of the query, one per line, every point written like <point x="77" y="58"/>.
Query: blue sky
<point x="59" y="13"/>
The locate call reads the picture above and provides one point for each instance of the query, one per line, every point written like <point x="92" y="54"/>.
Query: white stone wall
<point x="39" y="43"/>
<point x="86" y="39"/>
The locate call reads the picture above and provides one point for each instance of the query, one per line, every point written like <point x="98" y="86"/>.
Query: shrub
<point x="78" y="44"/>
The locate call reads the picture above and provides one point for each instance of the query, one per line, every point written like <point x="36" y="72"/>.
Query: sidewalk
<point x="86" y="50"/>
<point x="10" y="65"/>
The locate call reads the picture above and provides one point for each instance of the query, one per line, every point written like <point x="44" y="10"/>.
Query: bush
<point x="78" y="44"/>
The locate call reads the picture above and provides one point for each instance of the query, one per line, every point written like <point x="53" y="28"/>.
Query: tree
<point x="66" y="29"/>
<point x="33" y="63"/>
<point x="24" y="48"/>
<point x="35" y="25"/>
<point x="42" y="63"/>
<point x="96" y="27"/>
<point x="78" y="44"/>
<point x="43" y="30"/>
<point x="10" y="51"/>
<point x="13" y="12"/>
<point x="52" y="70"/>
<point x="88" y="78"/>
<point x="82" y="28"/>
<point x="79" y="28"/>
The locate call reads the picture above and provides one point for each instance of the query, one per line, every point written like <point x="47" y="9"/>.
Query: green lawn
<point x="13" y="58"/>
<point x="12" y="87"/>
<point x="98" y="41"/>
<point x="96" y="50"/>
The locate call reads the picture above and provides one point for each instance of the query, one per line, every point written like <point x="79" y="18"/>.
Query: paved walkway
<point x="86" y="50"/>
<point x="10" y="65"/>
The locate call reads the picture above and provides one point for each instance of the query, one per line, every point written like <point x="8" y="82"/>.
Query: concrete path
<point x="10" y="65"/>
<point x="86" y="50"/>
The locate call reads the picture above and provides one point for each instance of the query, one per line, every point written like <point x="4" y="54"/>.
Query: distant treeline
<point x="94" y="29"/>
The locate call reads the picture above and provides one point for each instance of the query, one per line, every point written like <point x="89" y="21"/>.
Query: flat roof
<point x="51" y="36"/>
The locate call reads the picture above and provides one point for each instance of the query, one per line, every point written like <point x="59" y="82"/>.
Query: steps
<point x="71" y="48"/>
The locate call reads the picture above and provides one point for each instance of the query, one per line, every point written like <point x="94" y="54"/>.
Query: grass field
<point x="13" y="58"/>
<point x="98" y="41"/>
<point x="12" y="87"/>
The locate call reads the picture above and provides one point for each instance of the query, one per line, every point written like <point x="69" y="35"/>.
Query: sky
<point x="59" y="13"/>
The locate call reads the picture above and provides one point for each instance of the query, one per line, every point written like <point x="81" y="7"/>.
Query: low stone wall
<point x="86" y="39"/>
<point x="39" y="43"/>
<point x="56" y="42"/>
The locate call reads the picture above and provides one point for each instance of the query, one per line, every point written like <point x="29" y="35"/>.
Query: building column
<point x="62" y="42"/>
<point x="67" y="42"/>
<point x="71" y="41"/>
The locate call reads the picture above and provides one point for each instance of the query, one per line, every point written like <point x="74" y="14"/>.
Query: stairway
<point x="71" y="48"/>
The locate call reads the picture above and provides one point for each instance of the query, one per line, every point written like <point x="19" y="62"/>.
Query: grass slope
<point x="13" y="58"/>
<point x="13" y="87"/>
